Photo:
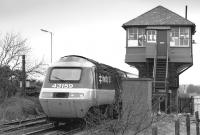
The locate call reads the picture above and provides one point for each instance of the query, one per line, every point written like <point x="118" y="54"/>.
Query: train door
<point x="105" y="91"/>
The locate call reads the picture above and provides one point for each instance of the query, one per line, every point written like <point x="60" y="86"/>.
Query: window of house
<point x="151" y="35"/>
<point x="179" y="36"/>
<point x="136" y="37"/>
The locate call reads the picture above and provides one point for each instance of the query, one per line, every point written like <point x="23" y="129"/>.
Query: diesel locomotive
<point x="75" y="85"/>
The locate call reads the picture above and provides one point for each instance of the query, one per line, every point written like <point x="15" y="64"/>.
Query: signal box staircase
<point x="161" y="82"/>
<point x="160" y="76"/>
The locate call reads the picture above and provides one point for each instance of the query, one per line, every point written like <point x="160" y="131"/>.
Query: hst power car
<point x="75" y="84"/>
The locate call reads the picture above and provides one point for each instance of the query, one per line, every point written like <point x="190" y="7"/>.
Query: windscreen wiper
<point x="59" y="79"/>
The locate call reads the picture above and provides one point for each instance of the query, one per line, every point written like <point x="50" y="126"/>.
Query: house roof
<point x="159" y="16"/>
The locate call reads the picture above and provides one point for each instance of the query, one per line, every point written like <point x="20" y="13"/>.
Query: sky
<point x="91" y="28"/>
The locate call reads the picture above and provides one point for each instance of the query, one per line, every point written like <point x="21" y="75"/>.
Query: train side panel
<point x="105" y="96"/>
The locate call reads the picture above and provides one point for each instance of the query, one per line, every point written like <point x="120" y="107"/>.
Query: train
<point x="75" y="86"/>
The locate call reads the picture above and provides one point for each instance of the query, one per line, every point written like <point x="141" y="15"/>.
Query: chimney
<point x="186" y="12"/>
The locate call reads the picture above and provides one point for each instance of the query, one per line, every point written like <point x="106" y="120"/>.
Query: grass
<point x="165" y="124"/>
<point x="19" y="108"/>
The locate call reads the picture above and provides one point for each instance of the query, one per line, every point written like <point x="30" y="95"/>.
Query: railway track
<point x="55" y="131"/>
<point x="8" y="128"/>
<point x="52" y="130"/>
<point x="38" y="126"/>
<point x="23" y="121"/>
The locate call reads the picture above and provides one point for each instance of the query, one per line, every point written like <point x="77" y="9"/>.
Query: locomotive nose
<point x="73" y="103"/>
<point x="66" y="108"/>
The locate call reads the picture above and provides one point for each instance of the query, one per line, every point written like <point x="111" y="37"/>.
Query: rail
<point x="15" y="126"/>
<point x="24" y="121"/>
<point x="40" y="129"/>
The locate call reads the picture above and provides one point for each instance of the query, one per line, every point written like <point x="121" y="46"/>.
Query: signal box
<point x="159" y="45"/>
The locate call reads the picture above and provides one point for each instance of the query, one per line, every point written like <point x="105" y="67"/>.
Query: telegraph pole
<point x="23" y="76"/>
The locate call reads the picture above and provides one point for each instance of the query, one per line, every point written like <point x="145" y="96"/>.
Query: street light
<point x="51" y="40"/>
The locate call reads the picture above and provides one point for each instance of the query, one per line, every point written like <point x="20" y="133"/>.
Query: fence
<point x="186" y="105"/>
<point x="189" y="104"/>
<point x="187" y="124"/>
<point x="196" y="103"/>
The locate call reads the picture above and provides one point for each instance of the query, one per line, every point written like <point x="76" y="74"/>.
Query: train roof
<point x="86" y="62"/>
<point x="77" y="58"/>
<point x="81" y="59"/>
<point x="73" y="61"/>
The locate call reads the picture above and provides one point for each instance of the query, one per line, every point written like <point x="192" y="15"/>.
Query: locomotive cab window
<point x="65" y="74"/>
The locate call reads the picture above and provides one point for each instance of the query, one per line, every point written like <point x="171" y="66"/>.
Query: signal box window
<point x="136" y="37"/>
<point x="151" y="36"/>
<point x="179" y="36"/>
<point x="184" y="36"/>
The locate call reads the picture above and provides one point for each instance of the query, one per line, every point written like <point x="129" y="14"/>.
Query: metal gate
<point x="186" y="105"/>
<point x="197" y="103"/>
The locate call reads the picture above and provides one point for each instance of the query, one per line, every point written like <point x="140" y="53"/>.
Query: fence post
<point x="177" y="127"/>
<point x="154" y="130"/>
<point x="197" y="122"/>
<point x="188" y="124"/>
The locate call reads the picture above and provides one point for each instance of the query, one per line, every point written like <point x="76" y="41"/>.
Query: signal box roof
<point x="159" y="16"/>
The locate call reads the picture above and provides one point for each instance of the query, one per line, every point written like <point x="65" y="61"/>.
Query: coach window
<point x="104" y="81"/>
<point x="99" y="80"/>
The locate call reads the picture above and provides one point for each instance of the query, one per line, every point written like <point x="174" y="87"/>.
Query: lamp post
<point x="51" y="40"/>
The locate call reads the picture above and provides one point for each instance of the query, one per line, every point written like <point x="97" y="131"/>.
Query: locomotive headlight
<point x="47" y="95"/>
<point x="76" y="95"/>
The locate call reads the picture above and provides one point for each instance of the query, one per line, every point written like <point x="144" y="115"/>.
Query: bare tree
<point x="35" y="69"/>
<point x="12" y="47"/>
<point x="136" y="113"/>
